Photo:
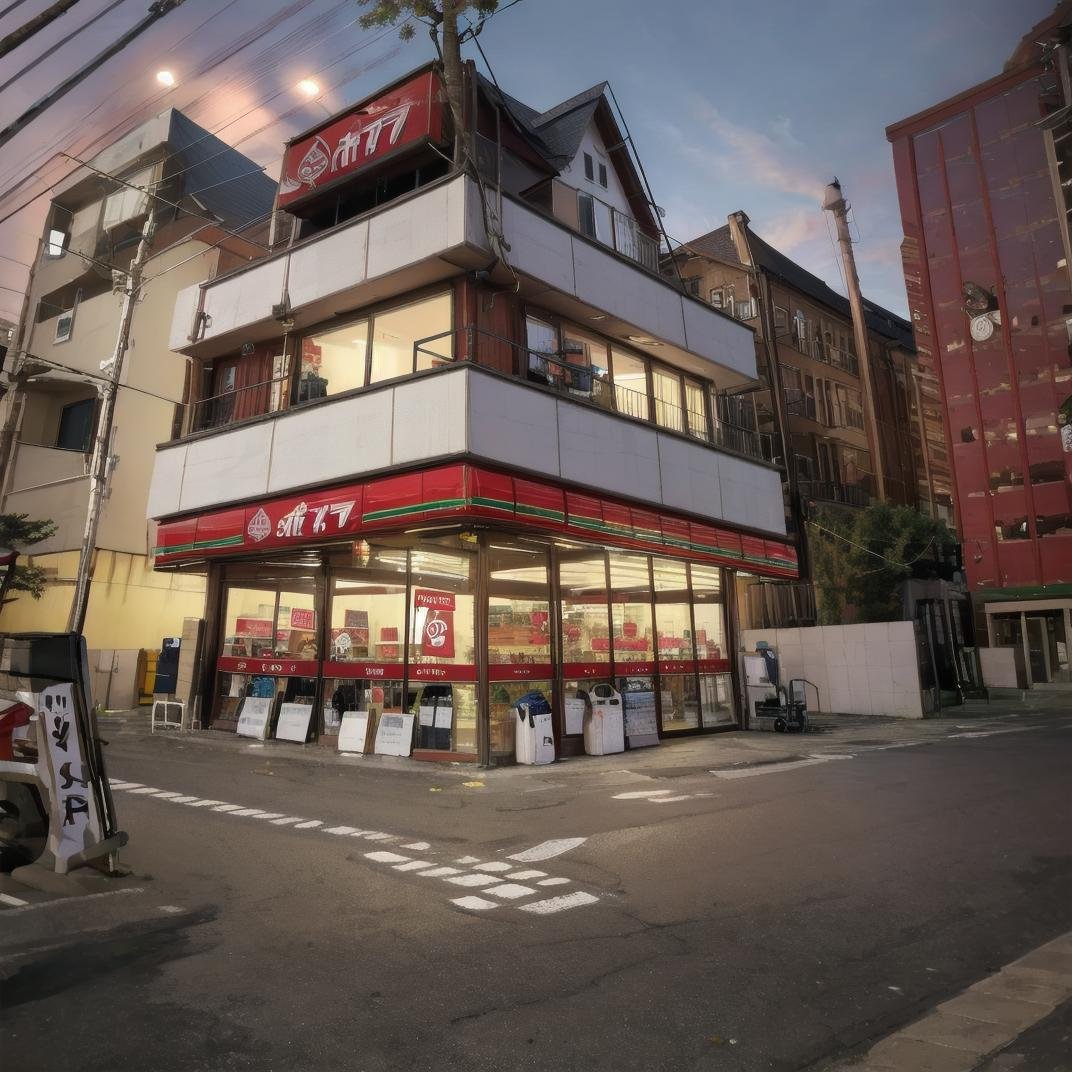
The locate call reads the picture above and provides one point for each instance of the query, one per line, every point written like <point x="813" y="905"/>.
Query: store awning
<point x="459" y="494"/>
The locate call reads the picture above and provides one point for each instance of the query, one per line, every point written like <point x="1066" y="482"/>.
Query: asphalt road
<point x="761" y="922"/>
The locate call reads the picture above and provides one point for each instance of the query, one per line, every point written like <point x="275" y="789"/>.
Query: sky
<point x="730" y="106"/>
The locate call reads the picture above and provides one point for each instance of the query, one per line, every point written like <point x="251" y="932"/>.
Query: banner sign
<point x="293" y="723"/>
<point x="353" y="734"/>
<point x="253" y="718"/>
<point x="394" y="735"/>
<point x="254" y="628"/>
<point x="404" y="116"/>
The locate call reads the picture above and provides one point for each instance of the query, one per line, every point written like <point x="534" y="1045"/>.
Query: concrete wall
<point x="502" y="421"/>
<point x="870" y="669"/>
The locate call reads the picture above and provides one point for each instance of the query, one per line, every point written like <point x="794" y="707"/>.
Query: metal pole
<point x="101" y="459"/>
<point x="836" y="204"/>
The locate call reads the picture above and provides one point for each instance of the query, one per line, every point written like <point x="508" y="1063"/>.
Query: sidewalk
<point x="829" y="734"/>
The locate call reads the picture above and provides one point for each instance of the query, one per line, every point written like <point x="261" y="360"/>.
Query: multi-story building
<point x="201" y="192"/>
<point x="809" y="404"/>
<point x="983" y="182"/>
<point x="458" y="441"/>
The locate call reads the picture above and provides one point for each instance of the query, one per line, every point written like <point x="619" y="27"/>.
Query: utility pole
<point x="37" y="23"/>
<point x="836" y="204"/>
<point x="100" y="464"/>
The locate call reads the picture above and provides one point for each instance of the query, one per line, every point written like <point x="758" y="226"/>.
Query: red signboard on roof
<point x="408" y="114"/>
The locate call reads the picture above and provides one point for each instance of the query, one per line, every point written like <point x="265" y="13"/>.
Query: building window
<point x="589" y="167"/>
<point x="746" y="310"/>
<point x="692" y="285"/>
<point x="603" y="175"/>
<point x="631" y="384"/>
<point x="57" y="243"/>
<point x="586" y="214"/>
<point x="695" y="409"/>
<point x="76" y="425"/>
<point x="717" y="297"/>
<point x="781" y="318"/>
<point x="333" y="361"/>
<point x="666" y="387"/>
<point x="65" y="321"/>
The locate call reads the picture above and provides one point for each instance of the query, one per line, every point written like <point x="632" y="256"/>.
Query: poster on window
<point x="433" y="623"/>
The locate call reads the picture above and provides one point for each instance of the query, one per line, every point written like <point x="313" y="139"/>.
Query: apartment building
<point x="202" y="193"/>
<point x="458" y="441"/>
<point x="809" y="406"/>
<point x="983" y="182"/>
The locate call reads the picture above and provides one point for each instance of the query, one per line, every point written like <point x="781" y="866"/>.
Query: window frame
<point x="58" y="337"/>
<point x="90" y="425"/>
<point x="603" y="178"/>
<point x="589" y="166"/>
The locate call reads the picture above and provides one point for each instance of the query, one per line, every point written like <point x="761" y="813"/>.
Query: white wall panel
<point x="690" y="477"/>
<point x="538" y="247"/>
<point x="331" y="441"/>
<point x="716" y="337"/>
<point x="245" y="298"/>
<point x="165" y="489"/>
<point x="418" y="228"/>
<point x="604" y="452"/>
<point x="227" y="468"/>
<point x="513" y="424"/>
<point x="182" y="318"/>
<point x="328" y="266"/>
<point x="429" y="417"/>
<point x="630" y="293"/>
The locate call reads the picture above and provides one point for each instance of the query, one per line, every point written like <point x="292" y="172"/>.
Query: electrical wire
<point x="98" y="376"/>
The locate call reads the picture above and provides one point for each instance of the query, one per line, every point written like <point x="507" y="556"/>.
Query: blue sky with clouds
<point x="732" y="106"/>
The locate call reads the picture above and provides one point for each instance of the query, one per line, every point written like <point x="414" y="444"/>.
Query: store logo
<point x="259" y="526"/>
<point x="435" y="633"/>
<point x="315" y="162"/>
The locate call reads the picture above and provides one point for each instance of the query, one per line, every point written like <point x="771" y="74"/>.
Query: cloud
<point x="768" y="161"/>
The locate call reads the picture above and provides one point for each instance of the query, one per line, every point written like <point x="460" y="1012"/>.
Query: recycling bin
<point x="604" y="721"/>
<point x="534" y="740"/>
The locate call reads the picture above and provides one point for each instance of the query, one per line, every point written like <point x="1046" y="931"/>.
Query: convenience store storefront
<point x="448" y="594"/>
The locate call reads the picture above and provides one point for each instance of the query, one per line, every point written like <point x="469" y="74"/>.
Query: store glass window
<point x="296" y="625"/>
<point x="396" y="332"/>
<point x="249" y="623"/>
<point x="519" y="611"/>
<point x="631" y="623"/>
<point x="333" y="361"/>
<point x="673" y="612"/>
<point x="716" y="701"/>
<point x="679" y="703"/>
<point x="666" y="388"/>
<point x="708" y="612"/>
<point x="585" y="622"/>
<point x="631" y="384"/>
<point x="368" y="618"/>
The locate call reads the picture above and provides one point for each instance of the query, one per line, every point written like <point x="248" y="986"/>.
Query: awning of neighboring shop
<point x="463" y="493"/>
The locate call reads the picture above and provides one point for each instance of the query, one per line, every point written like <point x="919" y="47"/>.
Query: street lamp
<point x="309" y="87"/>
<point x="165" y="78"/>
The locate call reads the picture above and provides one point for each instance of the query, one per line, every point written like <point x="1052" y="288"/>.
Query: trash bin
<point x="604" y="722"/>
<point x="534" y="740"/>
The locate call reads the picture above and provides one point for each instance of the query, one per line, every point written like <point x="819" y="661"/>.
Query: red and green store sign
<point x="463" y="493"/>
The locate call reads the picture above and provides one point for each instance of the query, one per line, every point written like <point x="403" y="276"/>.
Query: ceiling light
<point x="308" y="87"/>
<point x="645" y="339"/>
<point x="165" y="78"/>
<point x="598" y="316"/>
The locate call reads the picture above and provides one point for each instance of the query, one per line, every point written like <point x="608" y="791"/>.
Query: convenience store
<point x="447" y="594"/>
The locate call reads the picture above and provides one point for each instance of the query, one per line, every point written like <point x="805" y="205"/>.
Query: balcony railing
<point x="572" y="379"/>
<point x="832" y="491"/>
<point x="825" y="352"/>
<point x="800" y="404"/>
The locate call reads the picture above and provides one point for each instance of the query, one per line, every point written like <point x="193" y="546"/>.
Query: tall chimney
<point x="834" y="202"/>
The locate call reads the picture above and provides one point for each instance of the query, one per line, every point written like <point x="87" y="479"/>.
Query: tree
<point x="441" y="17"/>
<point x="860" y="558"/>
<point x="18" y="531"/>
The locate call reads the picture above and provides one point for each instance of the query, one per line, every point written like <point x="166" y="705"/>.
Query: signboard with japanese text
<point x="293" y="722"/>
<point x="394" y="735"/>
<point x="353" y="734"/>
<point x="253" y="718"/>
<point x="407" y="115"/>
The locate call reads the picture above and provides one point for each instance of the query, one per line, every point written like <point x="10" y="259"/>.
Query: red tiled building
<point x="983" y="182"/>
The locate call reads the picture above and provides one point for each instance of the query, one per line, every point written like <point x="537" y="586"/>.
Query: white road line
<point x="773" y="768"/>
<point x="522" y="875"/>
<point x="472" y="880"/>
<point x="413" y="865"/>
<point x="287" y="821"/>
<point x="171" y="909"/>
<point x="205" y="803"/>
<point x="269" y="815"/>
<point x="342" y="830"/>
<point x="553" y="882"/>
<point x="440" y="872"/>
<point x="115" y="783"/>
<point x="309" y="824"/>
<point x="474" y="904"/>
<point x="494" y="865"/>
<point x="248" y="812"/>
<point x="227" y="807"/>
<point x="387" y="857"/>
<point x="72" y="900"/>
<point x="558" y="904"/>
<point x="418" y="846"/>
<point x="510" y="891"/>
<point x="642" y="794"/>
<point x="670" y="800"/>
<point x="467" y="860"/>
<point x="145" y="789"/>
<point x="15" y="902"/>
<point x="165" y="794"/>
<point x="994" y="733"/>
<point x="377" y="835"/>
<point x="548" y="849"/>
<point x="181" y="800"/>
